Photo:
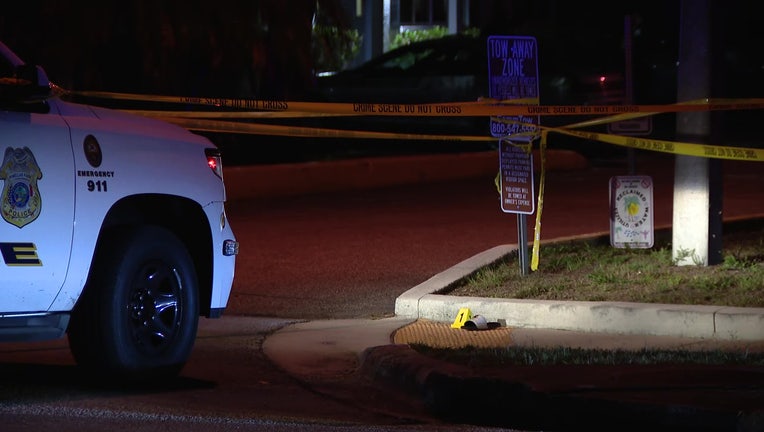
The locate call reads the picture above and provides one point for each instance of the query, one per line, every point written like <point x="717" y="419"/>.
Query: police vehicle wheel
<point x="138" y="316"/>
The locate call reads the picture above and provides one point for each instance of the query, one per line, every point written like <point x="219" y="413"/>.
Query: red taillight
<point x="214" y="161"/>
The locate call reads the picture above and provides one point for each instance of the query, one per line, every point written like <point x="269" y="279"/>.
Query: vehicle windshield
<point x="428" y="59"/>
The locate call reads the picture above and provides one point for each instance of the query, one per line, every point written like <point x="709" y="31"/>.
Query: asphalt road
<point x="350" y="254"/>
<point x="227" y="384"/>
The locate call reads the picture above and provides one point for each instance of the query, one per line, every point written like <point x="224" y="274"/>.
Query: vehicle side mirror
<point x="28" y="84"/>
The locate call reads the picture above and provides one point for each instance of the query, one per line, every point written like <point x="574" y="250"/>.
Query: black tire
<point x="137" y="317"/>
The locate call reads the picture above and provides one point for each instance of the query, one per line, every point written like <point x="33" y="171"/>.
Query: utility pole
<point x="694" y="189"/>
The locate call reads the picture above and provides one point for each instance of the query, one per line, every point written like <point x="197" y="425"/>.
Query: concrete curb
<point x="707" y="322"/>
<point x="265" y="181"/>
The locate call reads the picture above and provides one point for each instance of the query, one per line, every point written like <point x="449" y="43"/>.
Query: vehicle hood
<point x="127" y="123"/>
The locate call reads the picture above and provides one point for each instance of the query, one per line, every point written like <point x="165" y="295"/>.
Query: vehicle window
<point x="6" y="69"/>
<point x="407" y="60"/>
<point x="451" y="61"/>
<point x="18" y="94"/>
<point x="432" y="59"/>
<point x="464" y="61"/>
<point x="10" y="92"/>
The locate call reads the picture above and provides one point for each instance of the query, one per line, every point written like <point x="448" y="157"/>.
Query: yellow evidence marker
<point x="462" y="317"/>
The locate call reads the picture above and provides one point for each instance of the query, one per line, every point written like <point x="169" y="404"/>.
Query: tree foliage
<point x="239" y="48"/>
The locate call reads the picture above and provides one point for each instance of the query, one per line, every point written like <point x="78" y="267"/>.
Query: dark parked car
<point x="453" y="69"/>
<point x="449" y="69"/>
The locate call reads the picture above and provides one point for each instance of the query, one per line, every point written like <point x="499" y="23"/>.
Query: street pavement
<point x="564" y="397"/>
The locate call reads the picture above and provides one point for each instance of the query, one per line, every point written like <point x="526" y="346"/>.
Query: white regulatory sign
<point x="516" y="181"/>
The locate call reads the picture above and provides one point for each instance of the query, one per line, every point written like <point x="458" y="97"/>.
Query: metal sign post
<point x="517" y="192"/>
<point x="513" y="74"/>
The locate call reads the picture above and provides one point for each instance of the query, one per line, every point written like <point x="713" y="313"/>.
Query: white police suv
<point x="112" y="230"/>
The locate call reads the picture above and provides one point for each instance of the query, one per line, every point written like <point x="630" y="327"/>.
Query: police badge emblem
<point x="21" y="200"/>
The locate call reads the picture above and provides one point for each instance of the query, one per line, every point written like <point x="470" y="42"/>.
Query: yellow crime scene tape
<point x="641" y="143"/>
<point x="255" y="108"/>
<point x="449" y="109"/>
<point x="499" y="111"/>
<point x="307" y="132"/>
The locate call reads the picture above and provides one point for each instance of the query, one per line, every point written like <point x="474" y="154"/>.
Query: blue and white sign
<point x="513" y="74"/>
